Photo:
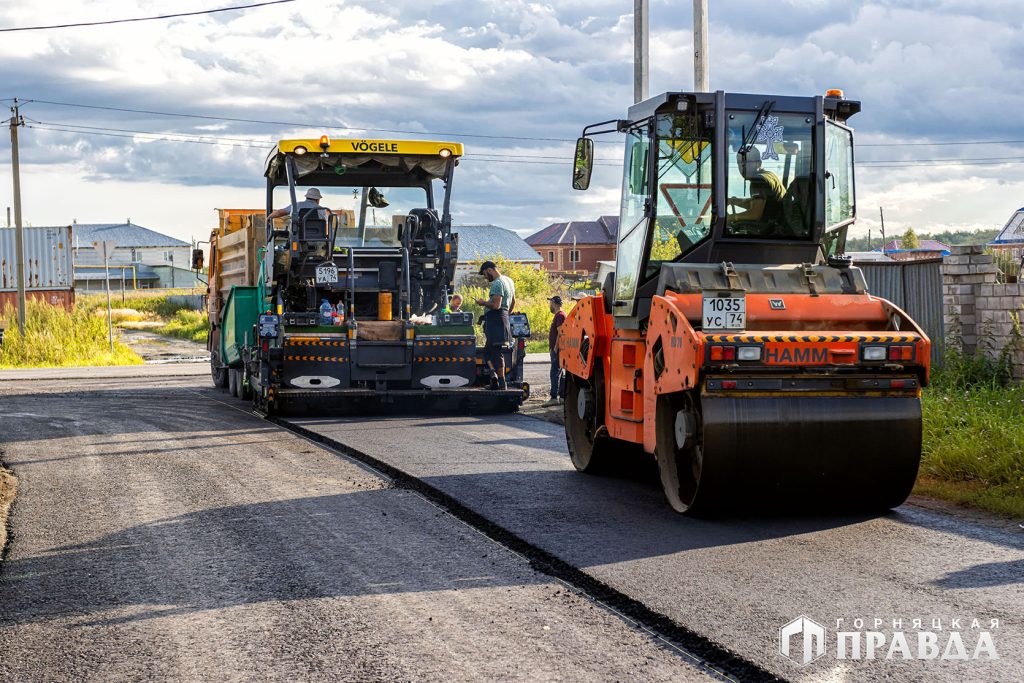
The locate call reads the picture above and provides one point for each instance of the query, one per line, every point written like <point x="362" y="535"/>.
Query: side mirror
<point x="197" y="259"/>
<point x="583" y="165"/>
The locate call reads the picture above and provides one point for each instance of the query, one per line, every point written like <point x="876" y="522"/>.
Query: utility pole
<point x="641" y="53"/>
<point x="881" y="215"/>
<point x="19" y="231"/>
<point x="700" y="46"/>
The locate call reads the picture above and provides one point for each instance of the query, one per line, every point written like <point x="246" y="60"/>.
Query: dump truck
<point x="341" y="306"/>
<point x="735" y="342"/>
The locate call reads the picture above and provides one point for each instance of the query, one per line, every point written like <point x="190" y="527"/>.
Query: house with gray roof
<point x="576" y="247"/>
<point x="143" y="258"/>
<point x="478" y="243"/>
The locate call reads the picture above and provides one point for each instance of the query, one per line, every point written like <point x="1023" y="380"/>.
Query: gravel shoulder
<point x="162" y="534"/>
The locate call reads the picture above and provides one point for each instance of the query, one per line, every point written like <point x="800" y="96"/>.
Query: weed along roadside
<point x="973" y="451"/>
<point x="8" y="487"/>
<point x="55" y="337"/>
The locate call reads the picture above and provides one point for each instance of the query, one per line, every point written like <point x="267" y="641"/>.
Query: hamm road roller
<point x="734" y="341"/>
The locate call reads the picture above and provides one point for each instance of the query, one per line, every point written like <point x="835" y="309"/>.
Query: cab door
<point x="634" y="218"/>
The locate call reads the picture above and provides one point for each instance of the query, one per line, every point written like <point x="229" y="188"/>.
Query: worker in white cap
<point x="311" y="201"/>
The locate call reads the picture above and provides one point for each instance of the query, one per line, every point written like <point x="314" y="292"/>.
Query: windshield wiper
<point x="762" y="116"/>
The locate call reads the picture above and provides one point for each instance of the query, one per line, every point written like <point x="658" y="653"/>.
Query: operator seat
<point x="312" y="224"/>
<point x="796" y="206"/>
<point x="428" y="225"/>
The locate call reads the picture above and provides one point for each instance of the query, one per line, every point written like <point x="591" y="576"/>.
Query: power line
<point x="939" y="144"/>
<point x="137" y="135"/>
<point x="161" y="16"/>
<point x="479" y="156"/>
<point x="927" y="161"/>
<point x="301" y="124"/>
<point x="328" y="126"/>
<point x="204" y="140"/>
<point x="149" y="132"/>
<point x="214" y="140"/>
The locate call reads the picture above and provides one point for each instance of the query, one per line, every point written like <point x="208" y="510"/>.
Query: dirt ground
<point x="155" y="348"/>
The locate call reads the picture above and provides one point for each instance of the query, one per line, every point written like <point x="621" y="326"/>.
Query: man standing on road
<point x="501" y="299"/>
<point x="557" y="388"/>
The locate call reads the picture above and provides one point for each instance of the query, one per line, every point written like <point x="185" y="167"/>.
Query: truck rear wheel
<point x="218" y="372"/>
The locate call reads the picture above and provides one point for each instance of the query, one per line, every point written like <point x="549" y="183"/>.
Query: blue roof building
<point x="142" y="257"/>
<point x="479" y="243"/>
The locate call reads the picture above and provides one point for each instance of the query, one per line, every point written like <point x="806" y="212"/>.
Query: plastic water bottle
<point x="326" y="313"/>
<point x="339" y="317"/>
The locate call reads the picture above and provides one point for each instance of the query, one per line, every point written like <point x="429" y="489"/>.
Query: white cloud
<point x="928" y="69"/>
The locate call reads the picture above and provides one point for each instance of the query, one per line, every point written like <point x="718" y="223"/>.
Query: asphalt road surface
<point x="735" y="581"/>
<point x="162" y="531"/>
<point x="161" y="534"/>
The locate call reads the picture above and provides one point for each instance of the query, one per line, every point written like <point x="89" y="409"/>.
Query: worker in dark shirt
<point x="555" y="304"/>
<point x="766" y="190"/>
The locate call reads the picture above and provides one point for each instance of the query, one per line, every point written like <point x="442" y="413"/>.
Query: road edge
<point x="711" y="657"/>
<point x="8" y="490"/>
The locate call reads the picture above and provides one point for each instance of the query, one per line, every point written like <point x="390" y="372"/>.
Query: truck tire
<point x="218" y="372"/>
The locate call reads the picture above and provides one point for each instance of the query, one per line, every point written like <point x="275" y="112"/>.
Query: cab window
<point x="683" y="198"/>
<point x="771" y="182"/>
<point x="632" y="216"/>
<point x="839" y="194"/>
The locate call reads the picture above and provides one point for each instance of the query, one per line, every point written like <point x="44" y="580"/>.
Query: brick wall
<point x="981" y="314"/>
<point x="590" y="254"/>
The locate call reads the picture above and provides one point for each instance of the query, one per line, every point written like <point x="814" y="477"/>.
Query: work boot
<point x="549" y="403"/>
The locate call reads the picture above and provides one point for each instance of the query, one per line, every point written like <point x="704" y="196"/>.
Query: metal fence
<point x="914" y="286"/>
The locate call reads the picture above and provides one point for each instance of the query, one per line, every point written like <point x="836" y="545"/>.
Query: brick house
<point x="577" y="246"/>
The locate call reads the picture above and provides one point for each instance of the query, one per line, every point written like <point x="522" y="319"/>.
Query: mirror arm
<point x="620" y="126"/>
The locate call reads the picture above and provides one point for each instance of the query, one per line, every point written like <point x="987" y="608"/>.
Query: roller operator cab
<point x="734" y="341"/>
<point x="346" y="310"/>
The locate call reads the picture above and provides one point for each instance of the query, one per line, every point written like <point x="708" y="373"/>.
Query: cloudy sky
<point x="515" y="81"/>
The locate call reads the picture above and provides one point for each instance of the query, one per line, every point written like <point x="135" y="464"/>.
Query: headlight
<point x="873" y="353"/>
<point x="748" y="353"/>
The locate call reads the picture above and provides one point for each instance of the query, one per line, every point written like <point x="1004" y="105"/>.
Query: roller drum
<point x="855" y="453"/>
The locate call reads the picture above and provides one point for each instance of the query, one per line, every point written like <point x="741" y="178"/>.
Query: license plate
<point x="725" y="311"/>
<point x="326" y="274"/>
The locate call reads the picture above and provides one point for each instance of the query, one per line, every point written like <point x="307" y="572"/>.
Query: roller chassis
<point x="806" y="394"/>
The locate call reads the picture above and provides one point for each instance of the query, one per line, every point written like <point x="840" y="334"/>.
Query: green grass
<point x="537" y="346"/>
<point x="191" y="325"/>
<point x="55" y="337"/>
<point x="973" y="450"/>
<point x="144" y="301"/>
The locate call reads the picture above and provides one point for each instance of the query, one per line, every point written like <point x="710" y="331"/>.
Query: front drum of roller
<point x="855" y="453"/>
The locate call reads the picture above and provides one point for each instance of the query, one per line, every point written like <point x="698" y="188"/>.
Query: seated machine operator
<point x="312" y="201"/>
<point x="766" y="190"/>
